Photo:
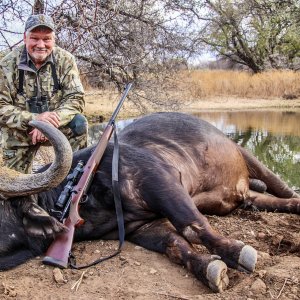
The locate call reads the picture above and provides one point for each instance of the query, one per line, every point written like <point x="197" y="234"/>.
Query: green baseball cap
<point x="35" y="21"/>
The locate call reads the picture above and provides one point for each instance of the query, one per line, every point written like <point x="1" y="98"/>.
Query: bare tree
<point x="116" y="40"/>
<point x="123" y="40"/>
<point x="11" y="12"/>
<point x="38" y="7"/>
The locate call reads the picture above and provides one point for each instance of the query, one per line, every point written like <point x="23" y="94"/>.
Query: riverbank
<point x="100" y="105"/>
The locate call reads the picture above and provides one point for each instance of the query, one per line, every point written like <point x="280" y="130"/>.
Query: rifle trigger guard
<point x="56" y="213"/>
<point x="84" y="199"/>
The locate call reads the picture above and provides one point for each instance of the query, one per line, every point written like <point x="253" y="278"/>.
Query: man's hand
<point x="37" y="136"/>
<point x="49" y="117"/>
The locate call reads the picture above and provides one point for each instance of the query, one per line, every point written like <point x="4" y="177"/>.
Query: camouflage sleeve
<point x="72" y="94"/>
<point x="10" y="115"/>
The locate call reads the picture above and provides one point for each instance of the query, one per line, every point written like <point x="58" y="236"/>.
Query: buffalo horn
<point x="13" y="183"/>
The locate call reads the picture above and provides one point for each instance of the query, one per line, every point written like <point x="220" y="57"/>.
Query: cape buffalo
<point x="173" y="169"/>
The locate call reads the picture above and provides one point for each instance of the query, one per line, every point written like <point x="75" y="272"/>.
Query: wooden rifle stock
<point x="59" y="251"/>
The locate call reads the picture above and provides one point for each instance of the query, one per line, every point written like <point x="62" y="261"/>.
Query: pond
<point x="273" y="136"/>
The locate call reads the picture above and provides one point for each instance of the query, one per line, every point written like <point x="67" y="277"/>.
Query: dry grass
<point x="266" y="85"/>
<point x="102" y="103"/>
<point x="208" y="89"/>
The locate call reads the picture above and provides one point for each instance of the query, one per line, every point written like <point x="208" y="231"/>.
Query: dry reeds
<point x="269" y="84"/>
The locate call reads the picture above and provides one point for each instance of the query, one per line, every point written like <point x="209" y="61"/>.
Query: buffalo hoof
<point x="43" y="227"/>
<point x="38" y="223"/>
<point x="216" y="275"/>
<point x="247" y="259"/>
<point x="257" y="185"/>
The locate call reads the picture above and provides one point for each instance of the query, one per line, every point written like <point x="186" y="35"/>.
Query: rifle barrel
<point x="127" y="89"/>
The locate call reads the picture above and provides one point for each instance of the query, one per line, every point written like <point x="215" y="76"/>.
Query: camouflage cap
<point x="35" y="21"/>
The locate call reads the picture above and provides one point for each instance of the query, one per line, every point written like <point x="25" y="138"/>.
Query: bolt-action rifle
<point x="58" y="253"/>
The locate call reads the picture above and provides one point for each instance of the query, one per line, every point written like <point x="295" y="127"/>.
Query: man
<point x="38" y="81"/>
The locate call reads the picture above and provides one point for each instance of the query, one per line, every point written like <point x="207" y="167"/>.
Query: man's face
<point x="39" y="44"/>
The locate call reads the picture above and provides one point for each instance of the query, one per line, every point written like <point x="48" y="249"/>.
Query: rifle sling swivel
<point x="118" y="207"/>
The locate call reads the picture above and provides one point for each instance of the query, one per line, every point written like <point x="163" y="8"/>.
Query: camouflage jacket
<point x="67" y="101"/>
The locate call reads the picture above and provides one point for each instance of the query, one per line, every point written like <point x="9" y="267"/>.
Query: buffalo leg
<point x="162" y="237"/>
<point x="234" y="253"/>
<point x="182" y="212"/>
<point x="257" y="185"/>
<point x="272" y="204"/>
<point x="275" y="185"/>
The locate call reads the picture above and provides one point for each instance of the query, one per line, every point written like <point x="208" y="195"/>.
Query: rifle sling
<point x="118" y="206"/>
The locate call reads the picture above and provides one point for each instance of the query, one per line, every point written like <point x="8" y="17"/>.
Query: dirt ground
<point x="141" y="274"/>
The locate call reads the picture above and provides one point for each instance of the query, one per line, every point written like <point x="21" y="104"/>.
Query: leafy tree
<point x="259" y="34"/>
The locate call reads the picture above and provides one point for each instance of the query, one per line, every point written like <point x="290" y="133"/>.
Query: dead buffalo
<point x="174" y="168"/>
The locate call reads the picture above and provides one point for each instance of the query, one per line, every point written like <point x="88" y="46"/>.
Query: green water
<point x="273" y="136"/>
